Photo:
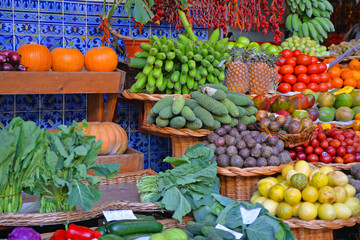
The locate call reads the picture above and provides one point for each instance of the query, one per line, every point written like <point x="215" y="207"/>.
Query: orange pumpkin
<point x="114" y="137"/>
<point x="35" y="57"/>
<point x="101" y="59"/>
<point x="67" y="60"/>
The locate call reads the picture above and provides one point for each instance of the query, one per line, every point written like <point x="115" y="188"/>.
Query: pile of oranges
<point x="345" y="76"/>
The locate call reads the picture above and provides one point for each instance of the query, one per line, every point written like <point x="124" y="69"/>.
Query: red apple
<point x="325" y="158"/>
<point x="315" y="143"/>
<point x="335" y="143"/>
<point x="321" y="137"/>
<point x="299" y="149"/>
<point x="348" y="135"/>
<point x="343" y="144"/>
<point x="340" y="137"/>
<point x="349" y="158"/>
<point x="301" y="156"/>
<point x="306" y="144"/>
<point x="324" y="144"/>
<point x="349" y="141"/>
<point x="329" y="139"/>
<point x="338" y="160"/>
<point x="357" y="147"/>
<point x="312" y="158"/>
<point x="309" y="150"/>
<point x="357" y="157"/>
<point x="341" y="151"/>
<point x="331" y="150"/>
<point x="318" y="151"/>
<point x="350" y="149"/>
<point x="293" y="154"/>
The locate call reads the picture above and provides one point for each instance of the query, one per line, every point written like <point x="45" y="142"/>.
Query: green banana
<point x="323" y="23"/>
<point x="308" y="4"/>
<point x="331" y="25"/>
<point x="316" y="12"/>
<point x="328" y="6"/>
<point x="308" y="12"/>
<point x="295" y="22"/>
<point x="322" y="6"/>
<point x="288" y="24"/>
<point x="302" y="6"/>
<point x="312" y="30"/>
<point x="315" y="3"/>
<point x="319" y="28"/>
<point x="305" y="30"/>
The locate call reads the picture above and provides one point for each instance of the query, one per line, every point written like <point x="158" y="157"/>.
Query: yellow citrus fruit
<point x="342" y="211"/>
<point x="260" y="200"/>
<point x="280" y="178"/>
<point x="295" y="209"/>
<point x="351" y="191"/>
<point x="302" y="167"/>
<point x="284" y="210"/>
<point x="264" y="188"/>
<point x="271" y="180"/>
<point x="312" y="173"/>
<point x="326" y="169"/>
<point x="317" y="205"/>
<point x="276" y="192"/>
<point x="319" y="179"/>
<point x="292" y="196"/>
<point x="326" y="194"/>
<point x="270" y="205"/>
<point x="255" y="196"/>
<point x="307" y="211"/>
<point x="340" y="194"/>
<point x="285" y="184"/>
<point x="310" y="194"/>
<point x="327" y="212"/>
<point x="289" y="174"/>
<point x="285" y="169"/>
<point x="299" y="181"/>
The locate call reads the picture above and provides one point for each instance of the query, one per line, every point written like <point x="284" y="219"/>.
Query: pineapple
<point x="274" y="73"/>
<point x="237" y="76"/>
<point x="260" y="73"/>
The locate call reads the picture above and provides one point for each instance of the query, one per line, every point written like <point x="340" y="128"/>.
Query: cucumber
<point x="217" y="86"/>
<point x="102" y="230"/>
<point x="131" y="227"/>
<point x="195" y="228"/>
<point x="110" y="237"/>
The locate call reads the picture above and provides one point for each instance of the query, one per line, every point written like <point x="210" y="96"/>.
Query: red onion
<point x="3" y="58"/>
<point x="14" y="58"/>
<point x="20" y="67"/>
<point x="6" y="52"/>
<point x="6" y="67"/>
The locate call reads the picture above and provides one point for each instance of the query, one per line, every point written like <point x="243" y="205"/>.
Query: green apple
<point x="231" y="44"/>
<point x="253" y="45"/>
<point x="265" y="45"/>
<point x="240" y="45"/>
<point x="272" y="49"/>
<point x="243" y="40"/>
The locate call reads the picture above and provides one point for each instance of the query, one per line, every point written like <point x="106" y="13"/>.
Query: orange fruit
<point x="328" y="60"/>
<point x="346" y="73"/>
<point x="337" y="82"/>
<point x="350" y="82"/>
<point x="354" y="65"/>
<point x="334" y="72"/>
<point x="358" y="84"/>
<point x="356" y="74"/>
<point x="357" y="116"/>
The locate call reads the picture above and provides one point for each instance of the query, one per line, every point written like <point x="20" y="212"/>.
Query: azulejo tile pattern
<point x="73" y="24"/>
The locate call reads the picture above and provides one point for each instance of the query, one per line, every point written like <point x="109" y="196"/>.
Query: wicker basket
<point x="336" y="166"/>
<point x="149" y="97"/>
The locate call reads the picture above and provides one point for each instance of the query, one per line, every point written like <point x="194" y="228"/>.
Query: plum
<point x="231" y="151"/>
<point x="250" y="162"/>
<point x="223" y="160"/>
<point x="261" y="162"/>
<point x="236" y="161"/>
<point x="212" y="137"/>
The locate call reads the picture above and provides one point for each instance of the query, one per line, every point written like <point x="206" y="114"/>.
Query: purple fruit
<point x="6" y="67"/>
<point x="6" y="52"/>
<point x="20" y="67"/>
<point x="3" y="58"/>
<point x="14" y="58"/>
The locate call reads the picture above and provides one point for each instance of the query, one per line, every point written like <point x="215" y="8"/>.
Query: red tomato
<point x="289" y="78"/>
<point x="277" y="67"/>
<point x="324" y="77"/>
<point x="304" y="78"/>
<point x="314" y="60"/>
<point x="322" y="67"/>
<point x="299" y="87"/>
<point x="300" y="69"/>
<point x="323" y="87"/>
<point x="313" y="86"/>
<point x="280" y="76"/>
<point x="315" y="78"/>
<point x="291" y="61"/>
<point x="284" y="87"/>
<point x="330" y="85"/>
<point x="312" y="69"/>
<point x="281" y="61"/>
<point x="296" y="52"/>
<point x="303" y="59"/>
<point x="286" y="53"/>
<point x="286" y="69"/>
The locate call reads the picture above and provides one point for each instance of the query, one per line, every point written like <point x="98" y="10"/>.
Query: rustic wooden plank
<point x="95" y="107"/>
<point x="61" y="82"/>
<point x="110" y="107"/>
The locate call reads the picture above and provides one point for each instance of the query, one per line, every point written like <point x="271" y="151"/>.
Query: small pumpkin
<point x="35" y="57"/>
<point x="114" y="137"/>
<point x="101" y="59"/>
<point x="67" y="60"/>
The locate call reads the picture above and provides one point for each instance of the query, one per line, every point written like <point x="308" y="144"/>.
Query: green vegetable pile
<point x="193" y="186"/>
<point x="180" y="66"/>
<point x="50" y="166"/>
<point x="213" y="106"/>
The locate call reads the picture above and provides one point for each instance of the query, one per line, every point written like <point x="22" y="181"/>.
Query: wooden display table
<point x="95" y="84"/>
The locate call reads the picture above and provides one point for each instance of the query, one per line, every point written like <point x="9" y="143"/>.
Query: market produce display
<point x="305" y="45"/>
<point x="343" y="47"/>
<point x="310" y="18"/>
<point x="214" y="106"/>
<point x="10" y="61"/>
<point x="349" y="76"/>
<point x="239" y="147"/>
<point x="354" y="180"/>
<point x="308" y="194"/>
<point x="180" y="66"/>
<point x="244" y="42"/>
<point x="298" y="72"/>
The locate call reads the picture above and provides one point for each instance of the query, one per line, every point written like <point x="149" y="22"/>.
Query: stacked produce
<point x="242" y="148"/>
<point x="244" y="42"/>
<point x="10" y="61"/>
<point x="343" y="47"/>
<point x="310" y="18"/>
<point x="180" y="66"/>
<point x="349" y="76"/>
<point x="308" y="193"/>
<point x="354" y="179"/>
<point x="305" y="45"/>
<point x="330" y="146"/>
<point x="214" y="106"/>
<point x="340" y="105"/>
<point x="301" y="71"/>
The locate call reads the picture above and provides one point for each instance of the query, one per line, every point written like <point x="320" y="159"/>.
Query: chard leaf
<point x="225" y="201"/>
<point x="173" y="200"/>
<point x="80" y="150"/>
<point x="106" y="170"/>
<point x="142" y="12"/>
<point x="92" y="179"/>
<point x="177" y="161"/>
<point x="64" y="129"/>
<point x="59" y="146"/>
<point x="69" y="160"/>
<point x="60" y="182"/>
<point x="83" y="195"/>
<point x="51" y="160"/>
<point x="81" y="171"/>
<point x="128" y="5"/>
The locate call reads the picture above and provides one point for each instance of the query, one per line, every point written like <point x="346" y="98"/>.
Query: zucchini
<point x="138" y="226"/>
<point x="102" y="230"/>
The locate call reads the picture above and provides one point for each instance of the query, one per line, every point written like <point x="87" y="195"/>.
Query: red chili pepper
<point x="79" y="232"/>
<point x="59" y="235"/>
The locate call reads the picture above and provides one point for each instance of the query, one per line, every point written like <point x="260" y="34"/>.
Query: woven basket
<point x="336" y="166"/>
<point x="347" y="59"/>
<point x="234" y="82"/>
<point x="33" y="219"/>
<point x="147" y="97"/>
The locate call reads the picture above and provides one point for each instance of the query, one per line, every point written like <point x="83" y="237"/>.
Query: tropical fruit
<point x="289" y="174"/>
<point x="302" y="167"/>
<point x="262" y="102"/>
<point x="326" y="169"/>
<point x="299" y="101"/>
<point x="337" y="178"/>
<point x="344" y="114"/>
<point x="326" y="194"/>
<point x="319" y="179"/>
<point x="307" y="211"/>
<point x="295" y="209"/>
<point x="326" y="114"/>
<point x="299" y="181"/>
<point x="343" y="100"/>
<point x="284" y="210"/>
<point x="351" y="191"/>
<point x="356" y="110"/>
<point x="292" y="196"/>
<point x="340" y="194"/>
<point x="300" y="113"/>
<point x="285" y="169"/>
<point x="271" y="180"/>
<point x="355" y="98"/>
<point x="310" y="194"/>
<point x="271" y="206"/>
<point x="280" y="103"/>
<point x="342" y="211"/>
<point x="354" y="204"/>
<point x="264" y="188"/>
<point x="326" y="212"/>
<point x="276" y="192"/>
<point x="326" y="99"/>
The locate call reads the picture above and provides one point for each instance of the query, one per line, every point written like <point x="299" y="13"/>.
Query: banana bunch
<point x="310" y="18"/>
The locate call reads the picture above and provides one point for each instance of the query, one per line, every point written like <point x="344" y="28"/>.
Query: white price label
<point x="236" y="234"/>
<point x="249" y="216"/>
<point x="221" y="63"/>
<point x="117" y="215"/>
<point x="143" y="238"/>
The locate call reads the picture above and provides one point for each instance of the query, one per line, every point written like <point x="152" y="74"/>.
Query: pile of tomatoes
<point x="298" y="72"/>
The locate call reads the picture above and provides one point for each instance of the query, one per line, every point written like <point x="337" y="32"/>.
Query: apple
<point x="349" y="158"/>
<point x="265" y="45"/>
<point x="292" y="154"/>
<point x="283" y="112"/>
<point x="350" y="150"/>
<point x="240" y="45"/>
<point x="309" y="150"/>
<point x="315" y="143"/>
<point x="299" y="149"/>
<point x="312" y="158"/>
<point x="335" y="143"/>
<point x="341" y="151"/>
<point x="357" y="157"/>
<point x="331" y="150"/>
<point x="321" y="137"/>
<point x="254" y="45"/>
<point x="301" y="155"/>
<point x="325" y="158"/>
<point x="324" y="144"/>
<point x="318" y="151"/>
<point x="338" y="160"/>
<point x="340" y="137"/>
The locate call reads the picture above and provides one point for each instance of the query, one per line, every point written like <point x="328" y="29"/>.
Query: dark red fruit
<point x="331" y="150"/>
<point x="341" y="151"/>
<point x="312" y="158"/>
<point x="315" y="143"/>
<point x="349" y="158"/>
<point x="301" y="156"/>
<point x="318" y="151"/>
<point x="324" y="144"/>
<point x="325" y="158"/>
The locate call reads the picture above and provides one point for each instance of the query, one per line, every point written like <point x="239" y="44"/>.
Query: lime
<point x="240" y="45"/>
<point x="243" y="40"/>
<point x="272" y="49"/>
<point x="284" y="210"/>
<point x="253" y="45"/>
<point x="310" y="194"/>
<point x="265" y="45"/>
<point x="292" y="196"/>
<point x="307" y="211"/>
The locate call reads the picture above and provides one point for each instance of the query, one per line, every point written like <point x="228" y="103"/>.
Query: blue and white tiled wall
<point x="73" y="24"/>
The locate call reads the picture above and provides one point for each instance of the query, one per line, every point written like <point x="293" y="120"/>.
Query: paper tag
<point x="143" y="238"/>
<point x="221" y="63"/>
<point x="236" y="234"/>
<point x="117" y="215"/>
<point x="249" y="216"/>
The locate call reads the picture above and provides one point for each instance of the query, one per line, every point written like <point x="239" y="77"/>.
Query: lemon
<point x="326" y="194"/>
<point x="270" y="205"/>
<point x="319" y="179"/>
<point x="340" y="194"/>
<point x="289" y="174"/>
<point x="292" y="196"/>
<point x="285" y="169"/>
<point x="299" y="181"/>
<point x="264" y="188"/>
<point x="255" y="196"/>
<point x="284" y="210"/>
<point x="326" y="169"/>
<point x="307" y="211"/>
<point x="342" y="211"/>
<point x="260" y="200"/>
<point x="351" y="191"/>
<point x="312" y="173"/>
<point x="295" y="209"/>
<point x="271" y="180"/>
<point x="327" y="211"/>
<point x="276" y="192"/>
<point x="310" y="194"/>
<point x="302" y="167"/>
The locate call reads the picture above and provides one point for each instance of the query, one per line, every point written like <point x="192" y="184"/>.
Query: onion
<point x="20" y="67"/>
<point x="3" y="58"/>
<point x="6" y="67"/>
<point x="6" y="52"/>
<point x="14" y="58"/>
